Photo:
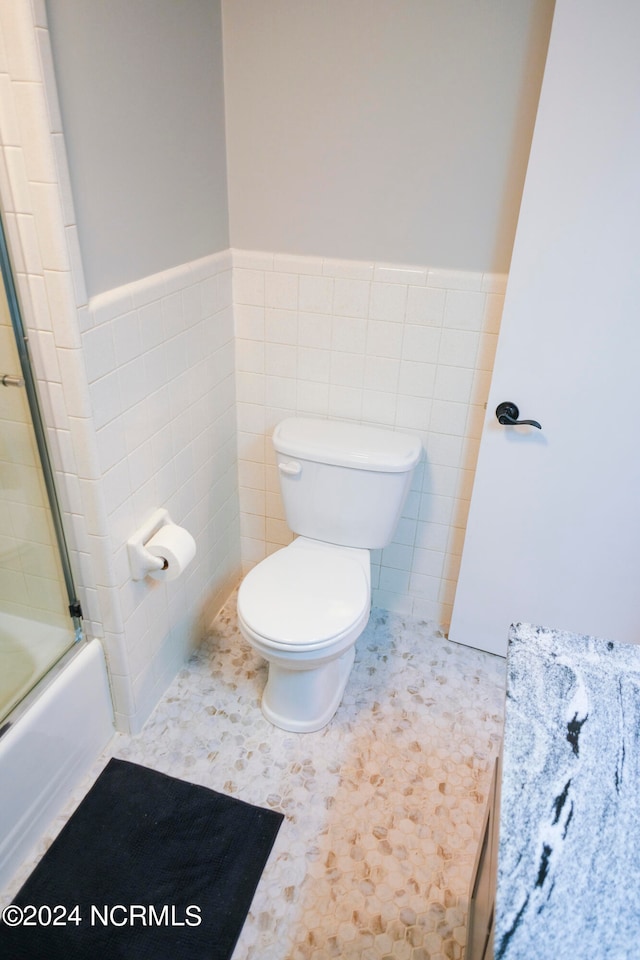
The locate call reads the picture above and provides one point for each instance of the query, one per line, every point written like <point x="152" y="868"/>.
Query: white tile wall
<point x="160" y="368"/>
<point x="398" y="346"/>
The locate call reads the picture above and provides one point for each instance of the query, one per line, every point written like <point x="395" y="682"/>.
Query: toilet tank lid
<point x="347" y="444"/>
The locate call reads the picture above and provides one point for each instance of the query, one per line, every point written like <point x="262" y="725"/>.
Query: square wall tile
<point x="351" y="298"/>
<point x="426" y="305"/>
<point x="384" y="339"/>
<point x="281" y="326"/>
<point x="349" y="334"/>
<point x="464" y="309"/>
<point x="458" y="348"/>
<point x="314" y="330"/>
<point x="315" y="294"/>
<point x="281" y="290"/>
<point x="388" y="302"/>
<point x="249" y="286"/>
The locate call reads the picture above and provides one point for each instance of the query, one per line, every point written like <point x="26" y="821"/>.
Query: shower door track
<point x="22" y="340"/>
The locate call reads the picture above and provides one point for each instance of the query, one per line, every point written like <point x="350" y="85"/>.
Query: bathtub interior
<point x="28" y="650"/>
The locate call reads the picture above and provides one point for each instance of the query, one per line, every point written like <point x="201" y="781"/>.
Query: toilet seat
<point x="304" y="598"/>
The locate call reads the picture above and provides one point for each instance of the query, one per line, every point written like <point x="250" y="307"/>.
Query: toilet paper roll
<point x="175" y="545"/>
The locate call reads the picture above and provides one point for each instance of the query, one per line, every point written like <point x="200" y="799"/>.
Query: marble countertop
<point x="569" y="856"/>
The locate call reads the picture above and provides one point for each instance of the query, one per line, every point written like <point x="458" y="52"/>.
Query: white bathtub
<point x="49" y="749"/>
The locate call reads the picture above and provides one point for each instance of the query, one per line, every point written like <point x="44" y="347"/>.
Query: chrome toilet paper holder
<point x="141" y="562"/>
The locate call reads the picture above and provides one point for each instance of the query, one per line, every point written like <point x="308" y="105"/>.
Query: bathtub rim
<point x="47" y="754"/>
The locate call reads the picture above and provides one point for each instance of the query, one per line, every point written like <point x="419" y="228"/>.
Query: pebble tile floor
<point x="383" y="808"/>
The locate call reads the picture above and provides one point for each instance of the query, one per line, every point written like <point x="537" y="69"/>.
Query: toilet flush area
<point x="303" y="608"/>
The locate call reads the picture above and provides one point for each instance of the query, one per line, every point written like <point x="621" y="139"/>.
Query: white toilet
<point x="303" y="608"/>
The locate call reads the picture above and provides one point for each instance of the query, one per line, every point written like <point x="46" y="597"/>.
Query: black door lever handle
<point x="508" y="413"/>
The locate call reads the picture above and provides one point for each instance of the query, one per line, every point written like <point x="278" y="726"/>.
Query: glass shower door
<point x="37" y="624"/>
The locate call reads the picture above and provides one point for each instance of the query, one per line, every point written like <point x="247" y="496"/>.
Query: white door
<point x="553" y="536"/>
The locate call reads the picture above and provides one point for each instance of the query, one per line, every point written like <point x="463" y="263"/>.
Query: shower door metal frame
<point x="22" y="342"/>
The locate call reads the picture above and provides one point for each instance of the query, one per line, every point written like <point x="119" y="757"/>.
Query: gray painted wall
<point x="390" y="130"/>
<point x="142" y="101"/>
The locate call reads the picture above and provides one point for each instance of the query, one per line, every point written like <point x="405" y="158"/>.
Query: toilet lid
<point x="297" y="599"/>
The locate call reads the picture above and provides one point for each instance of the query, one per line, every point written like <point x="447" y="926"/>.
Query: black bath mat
<point x="147" y="868"/>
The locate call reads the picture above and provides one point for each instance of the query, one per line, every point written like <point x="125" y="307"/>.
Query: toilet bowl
<point x="303" y="608"/>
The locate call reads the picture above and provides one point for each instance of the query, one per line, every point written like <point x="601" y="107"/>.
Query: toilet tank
<point x="344" y="483"/>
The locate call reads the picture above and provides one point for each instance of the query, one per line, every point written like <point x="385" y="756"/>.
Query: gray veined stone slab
<point x="569" y="853"/>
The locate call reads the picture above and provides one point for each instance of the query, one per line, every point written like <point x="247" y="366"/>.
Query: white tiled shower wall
<point x="43" y="240"/>
<point x="397" y="346"/>
<point x="30" y="571"/>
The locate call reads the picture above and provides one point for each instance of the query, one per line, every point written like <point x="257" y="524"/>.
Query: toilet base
<point x="304" y="701"/>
